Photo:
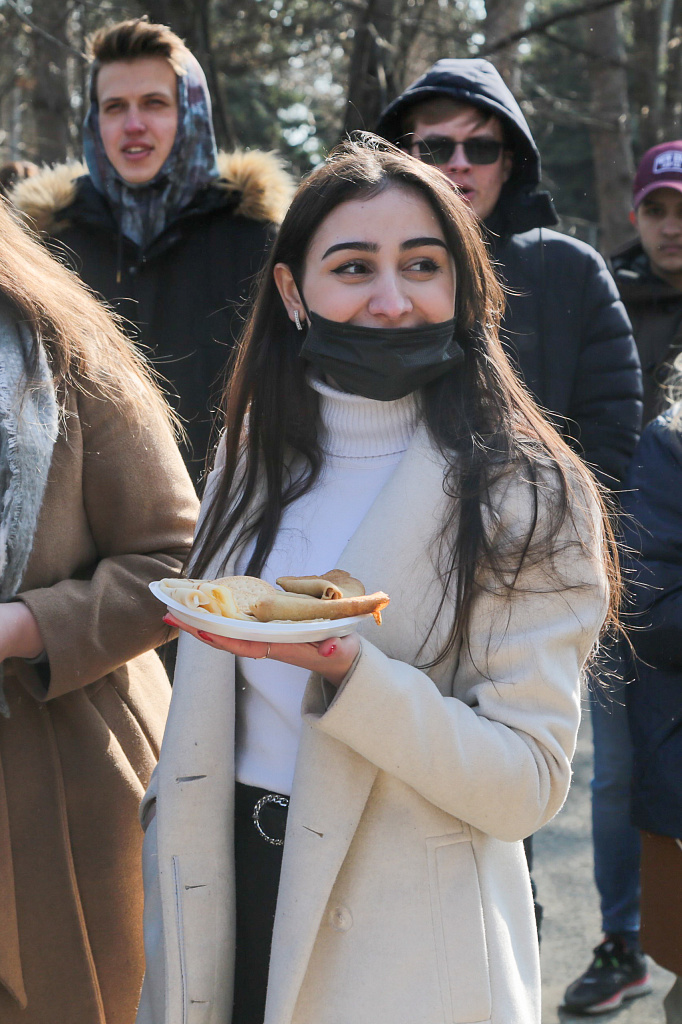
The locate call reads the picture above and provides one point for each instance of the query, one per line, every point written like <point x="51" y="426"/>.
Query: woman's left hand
<point x="332" y="658"/>
<point x="19" y="633"/>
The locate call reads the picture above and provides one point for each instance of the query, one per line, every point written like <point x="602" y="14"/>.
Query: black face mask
<point x="383" y="363"/>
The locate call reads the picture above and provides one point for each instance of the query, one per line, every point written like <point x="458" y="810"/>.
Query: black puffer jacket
<point x="655" y="310"/>
<point x="654" y="501"/>
<point x="182" y="295"/>
<point x="565" y="325"/>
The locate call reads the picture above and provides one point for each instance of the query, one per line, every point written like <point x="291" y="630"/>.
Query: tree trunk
<point x="612" y="140"/>
<point x="645" y="19"/>
<point x="672" y="111"/>
<point x="503" y="17"/>
<point x="190" y="19"/>
<point x="50" y="94"/>
<point x="371" y="81"/>
<point x="651" y="24"/>
<point x="225" y="130"/>
<point x="407" y="33"/>
<point x="181" y="15"/>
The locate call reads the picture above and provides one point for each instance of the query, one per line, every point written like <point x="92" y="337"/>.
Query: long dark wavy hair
<point x="479" y="415"/>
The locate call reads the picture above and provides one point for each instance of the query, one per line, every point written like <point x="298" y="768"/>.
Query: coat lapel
<point x="391" y="551"/>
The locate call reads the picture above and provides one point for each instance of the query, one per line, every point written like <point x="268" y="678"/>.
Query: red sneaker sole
<point x="631" y="991"/>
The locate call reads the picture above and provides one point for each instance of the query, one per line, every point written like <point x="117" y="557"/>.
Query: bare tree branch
<point x="41" y="31"/>
<point x="583" y="51"/>
<point x="545" y="23"/>
<point x="564" y="111"/>
<point x="418" y="23"/>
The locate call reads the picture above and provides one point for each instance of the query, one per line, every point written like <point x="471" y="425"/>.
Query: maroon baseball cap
<point x="660" y="167"/>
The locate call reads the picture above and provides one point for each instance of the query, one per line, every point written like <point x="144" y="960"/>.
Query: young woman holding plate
<point x="373" y="422"/>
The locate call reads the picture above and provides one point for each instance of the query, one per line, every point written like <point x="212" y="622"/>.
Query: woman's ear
<point x="286" y="286"/>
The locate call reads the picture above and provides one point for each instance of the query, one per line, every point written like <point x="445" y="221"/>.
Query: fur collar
<point x="265" y="187"/>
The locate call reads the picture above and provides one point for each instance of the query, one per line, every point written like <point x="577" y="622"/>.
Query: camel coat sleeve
<point x="122" y="509"/>
<point x="496" y="753"/>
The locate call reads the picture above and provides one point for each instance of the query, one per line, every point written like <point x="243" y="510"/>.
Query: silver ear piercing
<point x="297" y="320"/>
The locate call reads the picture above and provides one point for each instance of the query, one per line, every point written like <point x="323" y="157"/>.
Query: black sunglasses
<point x="439" y="150"/>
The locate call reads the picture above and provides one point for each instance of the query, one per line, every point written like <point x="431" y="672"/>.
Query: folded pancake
<point x="221" y="601"/>
<point x="231" y="596"/>
<point x="330" y="586"/>
<point x="191" y="597"/>
<point x="299" y="607"/>
<point x="246" y="590"/>
<point x="200" y="595"/>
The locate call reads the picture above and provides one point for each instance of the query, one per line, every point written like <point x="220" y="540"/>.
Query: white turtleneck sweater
<point x="363" y="441"/>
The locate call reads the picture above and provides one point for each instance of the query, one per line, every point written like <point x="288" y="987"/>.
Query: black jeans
<point x="257" y="865"/>
<point x="538" y="908"/>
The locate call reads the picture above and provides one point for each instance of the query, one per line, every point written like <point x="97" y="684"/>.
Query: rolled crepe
<point x="246" y="597"/>
<point x="310" y="586"/>
<point x="298" y="607"/>
<point x="330" y="586"/>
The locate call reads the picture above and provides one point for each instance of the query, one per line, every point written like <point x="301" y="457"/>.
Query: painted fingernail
<point x="330" y="651"/>
<point x="205" y="636"/>
<point x="167" y="619"/>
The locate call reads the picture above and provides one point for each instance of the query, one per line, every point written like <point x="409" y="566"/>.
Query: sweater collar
<point x="360" y="428"/>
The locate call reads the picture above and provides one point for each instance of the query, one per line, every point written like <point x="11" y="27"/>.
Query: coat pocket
<point x="459" y="930"/>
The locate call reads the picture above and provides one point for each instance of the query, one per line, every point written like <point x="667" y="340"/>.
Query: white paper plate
<point x="269" y="632"/>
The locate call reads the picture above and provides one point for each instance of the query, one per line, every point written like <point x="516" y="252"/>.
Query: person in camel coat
<point x="96" y="504"/>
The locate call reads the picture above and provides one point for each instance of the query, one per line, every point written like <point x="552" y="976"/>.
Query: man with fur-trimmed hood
<point x="166" y="229"/>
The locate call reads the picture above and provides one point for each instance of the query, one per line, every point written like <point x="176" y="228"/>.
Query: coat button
<point x="341" y="919"/>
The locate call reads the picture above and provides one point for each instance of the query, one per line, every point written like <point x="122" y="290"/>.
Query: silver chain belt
<point x="269" y="798"/>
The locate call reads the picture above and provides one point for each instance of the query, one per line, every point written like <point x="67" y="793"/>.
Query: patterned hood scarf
<point x="144" y="211"/>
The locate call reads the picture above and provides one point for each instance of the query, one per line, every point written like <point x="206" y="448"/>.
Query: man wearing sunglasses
<point x="564" y="327"/>
<point x="468" y="144"/>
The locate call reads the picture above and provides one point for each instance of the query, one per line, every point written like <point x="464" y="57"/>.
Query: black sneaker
<point x="616" y="973"/>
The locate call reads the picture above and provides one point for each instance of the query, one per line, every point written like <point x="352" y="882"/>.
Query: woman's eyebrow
<point x="411" y="243"/>
<point x="361" y="246"/>
<point x="415" y="243"/>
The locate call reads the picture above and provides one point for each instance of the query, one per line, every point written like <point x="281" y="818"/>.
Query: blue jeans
<point x="616" y="841"/>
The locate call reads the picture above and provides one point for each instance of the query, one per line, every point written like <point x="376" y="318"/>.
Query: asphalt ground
<point x="571" y="928"/>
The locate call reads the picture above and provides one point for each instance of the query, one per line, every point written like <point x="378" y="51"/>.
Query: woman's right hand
<point x="332" y="658"/>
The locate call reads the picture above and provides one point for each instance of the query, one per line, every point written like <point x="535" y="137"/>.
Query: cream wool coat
<point x="404" y="896"/>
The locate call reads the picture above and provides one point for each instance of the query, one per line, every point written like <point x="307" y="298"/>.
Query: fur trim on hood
<point x="266" y="189"/>
<point x="53" y="190"/>
<point x="265" y="186"/>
